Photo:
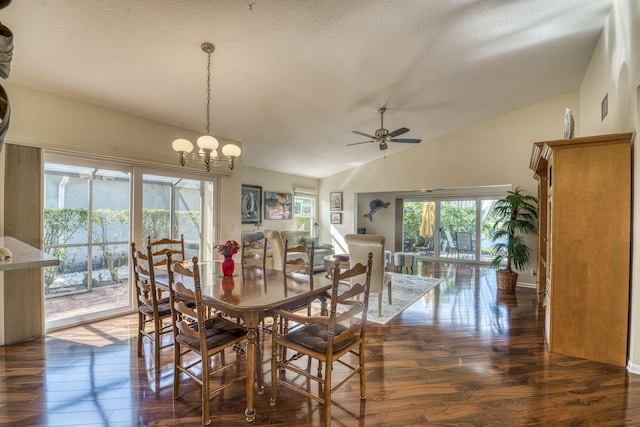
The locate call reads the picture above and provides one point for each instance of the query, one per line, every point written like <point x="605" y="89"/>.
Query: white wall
<point x="43" y="120"/>
<point x="278" y="182"/>
<point x="615" y="69"/>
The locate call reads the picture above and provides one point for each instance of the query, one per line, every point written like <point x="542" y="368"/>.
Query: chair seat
<point x="315" y="337"/>
<point x="164" y="308"/>
<point x="218" y="331"/>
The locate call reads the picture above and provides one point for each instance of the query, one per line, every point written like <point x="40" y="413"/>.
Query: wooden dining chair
<point x="198" y="338"/>
<point x="162" y="246"/>
<point x="153" y="311"/>
<point x="332" y="338"/>
<point x="252" y="248"/>
<point x="298" y="258"/>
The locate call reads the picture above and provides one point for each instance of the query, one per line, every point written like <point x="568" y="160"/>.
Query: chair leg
<point x="205" y="388"/>
<point x="157" y="337"/>
<point x="363" y="386"/>
<point x="274" y="364"/>
<point x="140" y="328"/>
<point x="380" y="304"/>
<point x="176" y="372"/>
<point x="389" y="287"/>
<point x="327" y="392"/>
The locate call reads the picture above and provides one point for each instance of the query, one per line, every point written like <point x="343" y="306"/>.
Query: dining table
<point x="251" y="294"/>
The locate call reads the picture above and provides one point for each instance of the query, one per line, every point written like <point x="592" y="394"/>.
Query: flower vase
<point x="228" y="265"/>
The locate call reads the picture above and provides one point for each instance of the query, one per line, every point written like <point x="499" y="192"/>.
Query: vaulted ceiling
<point x="291" y="79"/>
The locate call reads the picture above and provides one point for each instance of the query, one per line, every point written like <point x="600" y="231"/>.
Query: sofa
<point x="320" y="250"/>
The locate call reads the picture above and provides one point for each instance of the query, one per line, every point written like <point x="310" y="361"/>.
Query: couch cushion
<point x="294" y="237"/>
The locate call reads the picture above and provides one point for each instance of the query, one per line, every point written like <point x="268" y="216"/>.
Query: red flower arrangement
<point x="230" y="247"/>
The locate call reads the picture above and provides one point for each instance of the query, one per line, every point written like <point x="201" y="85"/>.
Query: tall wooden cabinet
<point x="585" y="244"/>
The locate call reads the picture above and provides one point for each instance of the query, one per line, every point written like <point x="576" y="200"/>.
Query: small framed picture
<point x="336" y="218"/>
<point x="335" y="201"/>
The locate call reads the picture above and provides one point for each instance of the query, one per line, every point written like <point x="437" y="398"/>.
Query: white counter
<point x="24" y="256"/>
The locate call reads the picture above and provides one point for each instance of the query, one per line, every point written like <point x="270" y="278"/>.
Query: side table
<point x="330" y="262"/>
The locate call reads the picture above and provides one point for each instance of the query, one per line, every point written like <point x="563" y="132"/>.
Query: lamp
<point x="258" y="224"/>
<point x="207" y="144"/>
<point x="316" y="229"/>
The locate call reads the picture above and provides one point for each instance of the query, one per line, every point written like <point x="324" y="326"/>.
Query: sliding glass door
<point x="86" y="226"/>
<point x="93" y="210"/>
<point x="454" y="229"/>
<point x="174" y="206"/>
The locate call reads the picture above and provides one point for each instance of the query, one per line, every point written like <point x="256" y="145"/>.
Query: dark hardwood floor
<point x="462" y="355"/>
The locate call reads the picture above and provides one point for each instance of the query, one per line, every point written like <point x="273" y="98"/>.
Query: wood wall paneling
<point x="23" y="289"/>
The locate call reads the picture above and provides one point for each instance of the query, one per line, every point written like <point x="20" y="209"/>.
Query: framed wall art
<point x="251" y="204"/>
<point x="335" y="201"/>
<point x="336" y="218"/>
<point x="278" y="205"/>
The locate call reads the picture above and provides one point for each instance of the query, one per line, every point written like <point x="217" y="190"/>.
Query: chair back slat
<point x="164" y="245"/>
<point x="180" y="296"/>
<point x="144" y="277"/>
<point x="298" y="258"/>
<point x="357" y="296"/>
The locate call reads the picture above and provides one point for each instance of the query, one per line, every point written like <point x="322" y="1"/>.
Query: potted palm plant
<point x="516" y="215"/>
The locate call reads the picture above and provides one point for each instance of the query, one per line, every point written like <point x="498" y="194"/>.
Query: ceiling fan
<point x="382" y="135"/>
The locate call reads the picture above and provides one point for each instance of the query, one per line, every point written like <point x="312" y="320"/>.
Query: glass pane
<point x="173" y="206"/>
<point x="457" y="229"/>
<point x="303" y="211"/>
<point x="86" y="226"/>
<point x="487" y="220"/>
<point x="418" y="227"/>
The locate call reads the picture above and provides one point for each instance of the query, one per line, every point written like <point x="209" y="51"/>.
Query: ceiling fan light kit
<point x="383" y="136"/>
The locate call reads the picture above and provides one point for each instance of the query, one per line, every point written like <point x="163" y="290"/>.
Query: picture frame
<point x="335" y="201"/>
<point x="336" y="217"/>
<point x="251" y="200"/>
<point x="278" y="205"/>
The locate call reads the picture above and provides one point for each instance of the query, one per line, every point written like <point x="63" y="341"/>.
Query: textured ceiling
<point x="292" y="78"/>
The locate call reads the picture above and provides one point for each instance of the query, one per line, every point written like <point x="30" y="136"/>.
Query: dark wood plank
<point x="463" y="354"/>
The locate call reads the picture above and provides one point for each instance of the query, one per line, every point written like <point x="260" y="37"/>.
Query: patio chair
<point x="450" y="243"/>
<point x="464" y="243"/>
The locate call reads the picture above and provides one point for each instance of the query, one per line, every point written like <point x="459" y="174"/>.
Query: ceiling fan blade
<point x="357" y="143"/>
<point x="409" y="140"/>
<point x="398" y="132"/>
<point x="364" y="134"/>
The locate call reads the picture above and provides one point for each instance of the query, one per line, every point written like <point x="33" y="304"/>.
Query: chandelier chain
<point x="208" y="90"/>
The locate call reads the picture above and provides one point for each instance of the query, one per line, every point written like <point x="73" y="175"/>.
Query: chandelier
<point x="207" y="144"/>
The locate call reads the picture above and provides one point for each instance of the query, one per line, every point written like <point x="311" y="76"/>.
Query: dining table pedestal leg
<point x="251" y="323"/>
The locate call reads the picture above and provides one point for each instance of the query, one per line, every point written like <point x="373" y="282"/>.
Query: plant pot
<point x="506" y="280"/>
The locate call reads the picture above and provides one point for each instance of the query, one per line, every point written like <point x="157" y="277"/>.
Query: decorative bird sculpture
<point x="374" y="205"/>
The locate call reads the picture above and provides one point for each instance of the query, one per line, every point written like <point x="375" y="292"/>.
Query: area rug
<point x="405" y="290"/>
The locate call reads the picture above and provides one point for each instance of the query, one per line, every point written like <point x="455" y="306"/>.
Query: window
<point x="304" y="210"/>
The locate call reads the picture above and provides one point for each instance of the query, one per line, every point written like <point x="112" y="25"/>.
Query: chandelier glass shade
<point x="207" y="152"/>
